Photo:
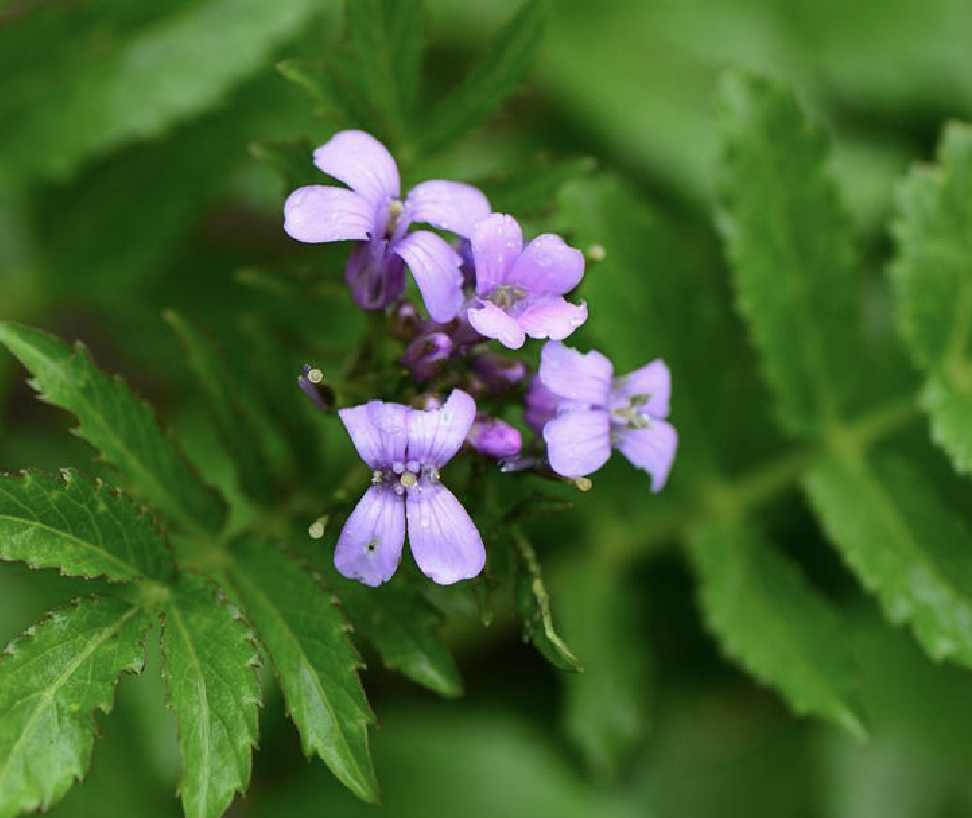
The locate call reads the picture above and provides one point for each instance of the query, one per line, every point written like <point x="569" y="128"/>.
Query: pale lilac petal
<point x="574" y="375"/>
<point x="654" y="381"/>
<point x="370" y="546"/>
<point x="551" y="316"/>
<point x="548" y="265"/>
<point x="444" y="540"/>
<point x="578" y="441"/>
<point x="451" y="206"/>
<point x="496" y="242"/>
<point x="491" y="322"/>
<point x="435" y="266"/>
<point x="379" y="432"/>
<point x="318" y="213"/>
<point x="362" y="163"/>
<point x="435" y="435"/>
<point x="651" y="449"/>
<point x="375" y="277"/>
<point x="540" y="405"/>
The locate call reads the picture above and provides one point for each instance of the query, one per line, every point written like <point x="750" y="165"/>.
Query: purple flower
<point x="520" y="290"/>
<point x="425" y="356"/>
<point x="406" y="448"/>
<point x="540" y="405"/>
<point x="494" y="437"/>
<point x="596" y="410"/>
<point x="373" y="214"/>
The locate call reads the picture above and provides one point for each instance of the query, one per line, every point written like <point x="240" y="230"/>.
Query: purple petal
<point x="496" y="242"/>
<point x="574" y="375"/>
<point x="451" y="206"/>
<point x="552" y="317"/>
<point x="548" y="265"/>
<point x="494" y="437"/>
<point x="379" y="432"/>
<point x="318" y="213"/>
<point x="491" y="322"/>
<point x="375" y="277"/>
<point x="578" y="441"/>
<point x="370" y="546"/>
<point x="435" y="435"/>
<point x="444" y="540"/>
<point x="435" y="266"/>
<point x="540" y="405"/>
<point x="362" y="163"/>
<point x="653" y="380"/>
<point x="651" y="449"/>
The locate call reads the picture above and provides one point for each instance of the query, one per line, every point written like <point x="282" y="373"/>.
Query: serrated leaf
<point x="235" y="426"/>
<point x="208" y="662"/>
<point x="82" y="527"/>
<point x="51" y="681"/>
<point x="904" y="545"/>
<point x="534" y="190"/>
<point x="932" y="278"/>
<point x="139" y="86"/>
<point x="121" y="426"/>
<point x="533" y="606"/>
<point x="307" y="639"/>
<point x="606" y="708"/>
<point x="290" y="160"/>
<point x="791" y="247"/>
<point x="770" y="620"/>
<point x="403" y="627"/>
<point x="495" y="78"/>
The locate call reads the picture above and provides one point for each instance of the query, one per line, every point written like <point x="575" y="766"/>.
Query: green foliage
<point x="790" y="244"/>
<point x="533" y="606"/>
<point x="118" y="424"/>
<point x="772" y="621"/>
<point x="306" y="637"/>
<point x="210" y="670"/>
<point x="491" y="81"/>
<point x="51" y="681"/>
<point x="932" y="277"/>
<point x="144" y="85"/>
<point x="904" y="544"/>
<point x="606" y="708"/>
<point x="80" y="526"/>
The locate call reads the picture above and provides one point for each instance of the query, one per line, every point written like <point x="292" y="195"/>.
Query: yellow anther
<point x="408" y="480"/>
<point x="315" y="376"/>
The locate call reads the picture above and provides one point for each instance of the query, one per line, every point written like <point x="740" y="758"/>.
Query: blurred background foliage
<point x="130" y="182"/>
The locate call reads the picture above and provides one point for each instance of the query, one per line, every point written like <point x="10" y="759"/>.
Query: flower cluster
<point x="485" y="284"/>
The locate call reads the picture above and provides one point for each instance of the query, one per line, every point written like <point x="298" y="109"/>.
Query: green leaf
<point x="932" y="278"/>
<point x="533" y="605"/>
<point x="292" y="161"/>
<point x="403" y="627"/>
<point x="495" y="78"/>
<point x="905" y="545"/>
<point x="534" y="189"/>
<point x="306" y="637"/>
<point x="51" y="681"/>
<point x="228" y="406"/>
<point x="769" y="619"/>
<point x="606" y="707"/>
<point x="121" y="426"/>
<point x="209" y="662"/>
<point x="139" y="86"/>
<point x="791" y="247"/>
<point x="81" y="526"/>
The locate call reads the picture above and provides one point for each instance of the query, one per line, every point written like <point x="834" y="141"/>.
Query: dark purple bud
<point x="494" y="437"/>
<point x="311" y="381"/>
<point x="376" y="277"/>
<point x="404" y="322"/>
<point x="540" y="405"/>
<point x="425" y="355"/>
<point x="497" y="372"/>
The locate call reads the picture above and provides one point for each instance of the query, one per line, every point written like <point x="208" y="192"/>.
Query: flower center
<point x="632" y="414"/>
<point x="506" y="295"/>
<point x="402" y="477"/>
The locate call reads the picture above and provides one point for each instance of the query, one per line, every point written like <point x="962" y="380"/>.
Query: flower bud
<point x="497" y="372"/>
<point x="494" y="437"/>
<point x="404" y="321"/>
<point x="426" y="354"/>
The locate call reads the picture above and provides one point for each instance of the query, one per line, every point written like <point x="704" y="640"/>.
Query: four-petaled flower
<point x="596" y="410"/>
<point x="373" y="213"/>
<point x="406" y="448"/>
<point x="520" y="290"/>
